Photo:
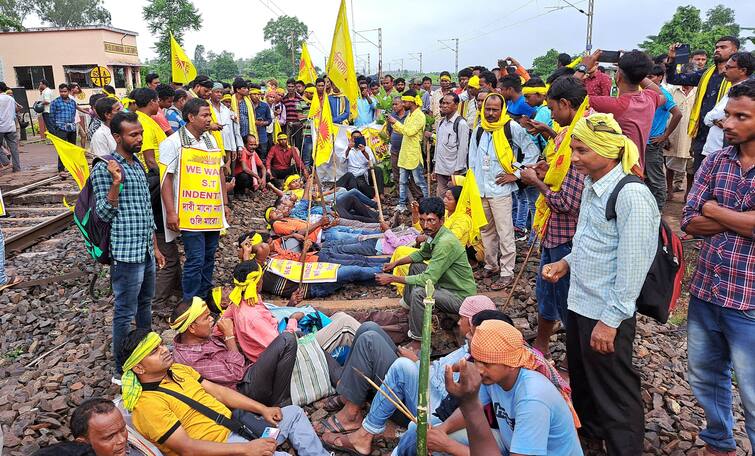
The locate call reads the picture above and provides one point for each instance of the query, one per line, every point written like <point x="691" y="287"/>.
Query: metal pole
<point x="293" y="58"/>
<point x="456" y="63"/>
<point x="420" y="62"/>
<point x="368" y="65"/>
<point x="380" y="53"/>
<point x="590" y="7"/>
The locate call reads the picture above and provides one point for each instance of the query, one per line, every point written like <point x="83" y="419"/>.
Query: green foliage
<point x="200" y="60"/>
<point x="9" y="24"/>
<point x="268" y="63"/>
<point x="72" y="13"/>
<point x="222" y="66"/>
<point x="13" y="13"/>
<point x="545" y="64"/>
<point x="166" y="16"/>
<point x="286" y="33"/>
<point x="687" y="26"/>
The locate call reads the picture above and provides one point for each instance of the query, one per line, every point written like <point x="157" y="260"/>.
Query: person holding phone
<point x="358" y="160"/>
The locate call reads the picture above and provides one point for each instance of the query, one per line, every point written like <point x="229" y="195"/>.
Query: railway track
<point x="35" y="211"/>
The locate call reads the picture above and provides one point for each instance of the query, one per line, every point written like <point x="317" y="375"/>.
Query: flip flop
<point x="12" y="281"/>
<point x="335" y="426"/>
<point x="333" y="403"/>
<point x="332" y="440"/>
<point x="485" y="273"/>
<point x="502" y="283"/>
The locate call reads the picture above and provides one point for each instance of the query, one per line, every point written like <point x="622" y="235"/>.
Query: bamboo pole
<point x="427" y="162"/>
<point x="524" y="265"/>
<point x="305" y="247"/>
<point x="377" y="194"/>
<point x="399" y="406"/>
<point x="424" y="370"/>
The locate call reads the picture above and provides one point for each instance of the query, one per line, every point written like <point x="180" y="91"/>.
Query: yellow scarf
<point x="276" y="127"/>
<point x="502" y="147"/>
<point x="247" y="289"/>
<point x="217" y="134"/>
<point x="197" y="308"/>
<point x="415" y="99"/>
<point x="249" y="112"/>
<point x="559" y="164"/>
<point x="530" y="90"/>
<point x="601" y="133"/>
<point x="702" y="87"/>
<point x="131" y="389"/>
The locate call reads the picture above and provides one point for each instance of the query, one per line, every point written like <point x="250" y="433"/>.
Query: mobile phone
<point x="682" y="54"/>
<point x="610" y="56"/>
<point x="270" y="433"/>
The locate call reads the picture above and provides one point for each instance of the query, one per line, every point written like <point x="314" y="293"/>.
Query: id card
<point x="486" y="163"/>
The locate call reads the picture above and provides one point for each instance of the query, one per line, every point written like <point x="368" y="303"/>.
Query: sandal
<point x="12" y="281"/>
<point x="501" y="283"/>
<point x="333" y="403"/>
<point x="335" y="426"/>
<point x="340" y="442"/>
<point x="485" y="273"/>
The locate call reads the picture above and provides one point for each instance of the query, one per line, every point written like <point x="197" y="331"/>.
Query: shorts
<point x="678" y="164"/>
<point x="552" y="297"/>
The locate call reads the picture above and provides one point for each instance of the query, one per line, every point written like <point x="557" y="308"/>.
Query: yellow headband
<point x="416" y="100"/>
<point x="268" y="213"/>
<point x="309" y="90"/>
<point x="445" y="78"/>
<point x="197" y="308"/>
<point x="131" y="389"/>
<point x="226" y="97"/>
<point x="538" y="90"/>
<point x="280" y="91"/>
<point x="282" y="136"/>
<point x="247" y="289"/>
<point x="474" y="82"/>
<point x="254" y="240"/>
<point x="255" y="92"/>
<point x="601" y="133"/>
<point x="290" y="179"/>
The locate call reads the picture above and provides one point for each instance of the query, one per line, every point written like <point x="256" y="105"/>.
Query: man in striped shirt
<point x="293" y="115"/>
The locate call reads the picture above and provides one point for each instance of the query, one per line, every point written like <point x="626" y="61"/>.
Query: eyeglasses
<point x="600" y="127"/>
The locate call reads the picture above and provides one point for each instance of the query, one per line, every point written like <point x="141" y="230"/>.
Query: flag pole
<point x="377" y="194"/>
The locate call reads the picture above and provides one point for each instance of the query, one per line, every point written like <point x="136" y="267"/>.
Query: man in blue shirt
<point x="366" y="106"/>
<point x="63" y="119"/>
<point x="263" y="117"/>
<point x="660" y="131"/>
<point x="510" y="86"/>
<point x="608" y="263"/>
<point x="534" y="92"/>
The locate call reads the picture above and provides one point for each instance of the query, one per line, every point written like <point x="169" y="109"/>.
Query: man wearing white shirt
<point x="738" y="69"/>
<point x="452" y="143"/>
<point x="358" y="160"/>
<point x="8" y="135"/>
<point x="231" y="141"/>
<point x="199" y="246"/>
<point x="102" y="142"/>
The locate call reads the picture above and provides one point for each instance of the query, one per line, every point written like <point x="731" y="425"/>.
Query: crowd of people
<point x="516" y="157"/>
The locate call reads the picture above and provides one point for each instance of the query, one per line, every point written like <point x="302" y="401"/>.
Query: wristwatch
<point x="581" y="68"/>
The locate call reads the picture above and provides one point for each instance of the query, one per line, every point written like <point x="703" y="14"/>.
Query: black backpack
<point x="663" y="284"/>
<point x="96" y="232"/>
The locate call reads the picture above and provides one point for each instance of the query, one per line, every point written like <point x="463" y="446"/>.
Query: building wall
<point x="57" y="48"/>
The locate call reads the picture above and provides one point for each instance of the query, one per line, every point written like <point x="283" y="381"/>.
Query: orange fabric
<point x="276" y="246"/>
<point x="497" y="342"/>
<point x="287" y="226"/>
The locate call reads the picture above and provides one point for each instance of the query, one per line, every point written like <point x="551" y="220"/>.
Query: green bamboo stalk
<point x="424" y="370"/>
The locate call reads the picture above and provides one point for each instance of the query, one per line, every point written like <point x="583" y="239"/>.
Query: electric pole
<point x="293" y="58"/>
<point x="590" y="9"/>
<point x="378" y="45"/>
<point x="417" y="56"/>
<point x="455" y="50"/>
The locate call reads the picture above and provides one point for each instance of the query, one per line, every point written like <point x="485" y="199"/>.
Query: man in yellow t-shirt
<point x="176" y="428"/>
<point x="410" y="155"/>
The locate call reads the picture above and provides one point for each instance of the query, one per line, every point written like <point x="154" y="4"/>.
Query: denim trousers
<point x="294" y="427"/>
<point x="133" y="289"/>
<point x="199" y="248"/>
<point x="418" y="174"/>
<point x="346" y="274"/>
<point x="360" y="248"/>
<point x="552" y="297"/>
<point x="306" y="151"/>
<point x="719" y="340"/>
<point x="3" y="277"/>
<point x="524" y="207"/>
<point x="340" y="233"/>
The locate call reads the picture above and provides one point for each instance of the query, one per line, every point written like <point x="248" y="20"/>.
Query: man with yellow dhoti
<point x="410" y="155"/>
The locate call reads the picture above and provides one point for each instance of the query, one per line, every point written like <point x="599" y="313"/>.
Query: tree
<point x="72" y="13"/>
<point x="268" y="63"/>
<point x="286" y="33"/>
<point x="9" y="24"/>
<point x="686" y="26"/>
<point x="544" y="65"/>
<point x="166" y="16"/>
<point x="13" y="13"/>
<point x="200" y="61"/>
<point x="222" y="66"/>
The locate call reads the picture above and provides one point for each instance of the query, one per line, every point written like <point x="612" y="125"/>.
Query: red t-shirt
<point x="247" y="157"/>
<point x="634" y="112"/>
<point x="598" y="84"/>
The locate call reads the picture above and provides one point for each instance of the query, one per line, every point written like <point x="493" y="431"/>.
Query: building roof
<point x="74" y="29"/>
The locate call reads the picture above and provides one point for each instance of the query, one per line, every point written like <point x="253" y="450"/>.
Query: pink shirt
<point x="634" y="112"/>
<point x="255" y="327"/>
<point x="162" y="121"/>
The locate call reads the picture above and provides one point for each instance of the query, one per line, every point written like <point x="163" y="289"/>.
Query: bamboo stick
<point x="377" y="194"/>
<point x="424" y="370"/>
<point x="400" y="407"/>
<point x="524" y="265"/>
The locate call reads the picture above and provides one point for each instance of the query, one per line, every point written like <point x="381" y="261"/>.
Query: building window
<point x="80" y="75"/>
<point x="119" y="77"/>
<point x="28" y="77"/>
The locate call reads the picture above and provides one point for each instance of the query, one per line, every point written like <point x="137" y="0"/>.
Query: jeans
<point x="361" y="248"/>
<point x="719" y="340"/>
<point x="346" y="274"/>
<point x="306" y="151"/>
<point x="338" y="233"/>
<point x="419" y="178"/>
<point x="358" y="195"/>
<point x="294" y="427"/>
<point x="373" y="353"/>
<point x="11" y="140"/>
<point x="552" y="297"/>
<point x="524" y="207"/>
<point x="133" y="289"/>
<point x="199" y="248"/>
<point x="655" y="173"/>
<point x="327" y="256"/>
<point x="68" y="136"/>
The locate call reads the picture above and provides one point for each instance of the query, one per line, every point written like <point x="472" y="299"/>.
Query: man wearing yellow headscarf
<point x="608" y="264"/>
<point x="410" y="155"/>
<point x="497" y="151"/>
<point x="153" y="391"/>
<point x="437" y="95"/>
<point x="468" y="100"/>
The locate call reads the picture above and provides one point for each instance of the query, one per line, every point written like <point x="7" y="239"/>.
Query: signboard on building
<point x="100" y="76"/>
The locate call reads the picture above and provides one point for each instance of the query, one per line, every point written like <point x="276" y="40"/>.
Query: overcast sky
<point x="522" y="29"/>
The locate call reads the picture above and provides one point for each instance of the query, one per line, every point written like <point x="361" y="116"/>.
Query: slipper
<point x="333" y="403"/>
<point x="340" y="442"/>
<point x="501" y="283"/>
<point x="335" y="426"/>
<point x="485" y="274"/>
<point x="12" y="281"/>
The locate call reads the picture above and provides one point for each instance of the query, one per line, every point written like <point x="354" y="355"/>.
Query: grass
<point x="12" y="355"/>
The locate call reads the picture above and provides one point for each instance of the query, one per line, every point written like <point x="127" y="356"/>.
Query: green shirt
<point x="304" y="107"/>
<point x="448" y="268"/>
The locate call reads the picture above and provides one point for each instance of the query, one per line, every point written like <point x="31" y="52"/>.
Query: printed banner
<point x="200" y="197"/>
<point x="313" y="272"/>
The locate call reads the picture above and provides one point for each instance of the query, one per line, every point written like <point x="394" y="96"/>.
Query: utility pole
<point x="455" y="50"/>
<point x="293" y="57"/>
<point x="590" y="9"/>
<point x="417" y="56"/>
<point x="378" y="45"/>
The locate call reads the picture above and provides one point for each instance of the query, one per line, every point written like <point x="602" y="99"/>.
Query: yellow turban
<point x="474" y="82"/>
<point x="309" y="90"/>
<point x="247" y="289"/>
<point x="226" y="97"/>
<point x="280" y="91"/>
<point x="290" y="179"/>
<point x="445" y="78"/>
<point x="416" y="99"/>
<point x="601" y="133"/>
<point x="539" y="90"/>
<point x="131" y="389"/>
<point x="197" y="308"/>
<point x="255" y="91"/>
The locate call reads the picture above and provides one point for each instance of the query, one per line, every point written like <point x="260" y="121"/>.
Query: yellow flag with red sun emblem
<point x="73" y="158"/>
<point x="340" y="66"/>
<point x="323" y="129"/>
<point x="182" y="70"/>
<point x="307" y="71"/>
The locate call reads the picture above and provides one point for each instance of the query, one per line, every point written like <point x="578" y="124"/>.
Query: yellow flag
<point x="470" y="203"/>
<point x="340" y="66"/>
<point x="182" y="69"/>
<point x="323" y="130"/>
<point x="307" y="71"/>
<point x="276" y="128"/>
<point x="73" y="158"/>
